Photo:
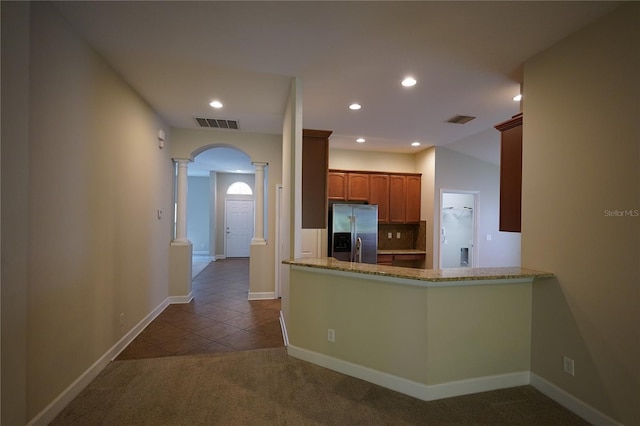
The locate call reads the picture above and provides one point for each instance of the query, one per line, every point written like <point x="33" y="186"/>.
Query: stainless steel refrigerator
<point x="355" y="232"/>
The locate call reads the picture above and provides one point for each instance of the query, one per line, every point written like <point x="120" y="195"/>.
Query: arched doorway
<point x="213" y="170"/>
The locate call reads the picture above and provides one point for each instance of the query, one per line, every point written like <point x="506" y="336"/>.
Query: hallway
<point x="218" y="319"/>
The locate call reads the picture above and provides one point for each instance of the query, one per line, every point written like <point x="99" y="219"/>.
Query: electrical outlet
<point x="568" y="366"/>
<point x="331" y="335"/>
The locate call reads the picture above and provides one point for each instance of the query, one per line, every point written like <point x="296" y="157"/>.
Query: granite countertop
<point x="402" y="251"/>
<point x="429" y="275"/>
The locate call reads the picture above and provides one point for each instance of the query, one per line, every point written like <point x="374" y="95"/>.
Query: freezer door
<point x="342" y="217"/>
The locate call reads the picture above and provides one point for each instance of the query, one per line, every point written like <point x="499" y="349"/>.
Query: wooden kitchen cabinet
<point x="397" y="195"/>
<point x="413" y="199"/>
<point x="408" y="260"/>
<point x="385" y="259"/>
<point x="357" y="187"/>
<point x="315" y="165"/>
<point x="379" y="194"/>
<point x="510" y="174"/>
<point x="337" y="182"/>
<point x="397" y="198"/>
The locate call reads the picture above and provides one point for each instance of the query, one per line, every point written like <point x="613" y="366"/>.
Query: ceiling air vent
<point x="460" y="119"/>
<point x="217" y="123"/>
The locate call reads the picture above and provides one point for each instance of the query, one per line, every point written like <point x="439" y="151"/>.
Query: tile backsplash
<point x="411" y="236"/>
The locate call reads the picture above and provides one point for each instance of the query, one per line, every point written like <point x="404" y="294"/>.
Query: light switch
<point x="488" y="237"/>
<point x="397" y="235"/>
<point x="389" y="235"/>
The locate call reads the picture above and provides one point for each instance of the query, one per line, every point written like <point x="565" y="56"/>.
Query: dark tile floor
<point x="218" y="319"/>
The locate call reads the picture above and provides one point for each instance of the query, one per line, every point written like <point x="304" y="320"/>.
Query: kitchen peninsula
<point x="427" y="333"/>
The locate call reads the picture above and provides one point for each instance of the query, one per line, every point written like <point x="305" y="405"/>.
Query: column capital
<point x="259" y="165"/>
<point x="182" y="160"/>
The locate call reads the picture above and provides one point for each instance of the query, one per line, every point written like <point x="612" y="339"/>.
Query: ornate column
<point x="181" y="199"/>
<point x="258" y="233"/>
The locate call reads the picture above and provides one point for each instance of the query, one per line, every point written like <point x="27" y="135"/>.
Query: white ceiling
<point x="466" y="56"/>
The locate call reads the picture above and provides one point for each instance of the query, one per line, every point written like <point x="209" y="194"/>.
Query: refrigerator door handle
<point x="359" y="250"/>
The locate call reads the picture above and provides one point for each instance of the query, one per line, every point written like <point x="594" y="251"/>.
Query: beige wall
<point x="15" y="202"/>
<point x="426" y="164"/>
<point x="581" y="158"/>
<point x="97" y="255"/>
<point x="371" y="161"/>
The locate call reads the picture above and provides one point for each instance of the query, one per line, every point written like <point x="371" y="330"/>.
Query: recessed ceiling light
<point x="216" y="104"/>
<point x="355" y="106"/>
<point x="416" y="143"/>
<point x="517" y="98"/>
<point x="409" y="82"/>
<point x="360" y="140"/>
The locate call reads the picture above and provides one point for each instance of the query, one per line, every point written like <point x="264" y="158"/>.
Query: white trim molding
<point x="177" y="300"/>
<point x="283" y="327"/>
<point x="572" y="403"/>
<point x="265" y="295"/>
<point x="409" y="387"/>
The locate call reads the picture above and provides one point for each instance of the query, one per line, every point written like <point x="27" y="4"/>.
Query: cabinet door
<point x="379" y="195"/>
<point x="510" y="174"/>
<point x="357" y="187"/>
<point x="397" y="198"/>
<point x="413" y="199"/>
<point x="338" y="186"/>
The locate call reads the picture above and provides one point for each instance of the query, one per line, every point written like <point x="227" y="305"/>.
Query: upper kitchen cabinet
<point x="315" y="164"/>
<point x="414" y="183"/>
<point x="379" y="194"/>
<point x="510" y="173"/>
<point x="397" y="195"/>
<point x="397" y="198"/>
<point x="404" y="198"/>
<point x="337" y="186"/>
<point x="358" y="187"/>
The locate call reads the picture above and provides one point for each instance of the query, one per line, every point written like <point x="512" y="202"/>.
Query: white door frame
<point x="278" y="240"/>
<point x="237" y="198"/>
<point x="475" y="248"/>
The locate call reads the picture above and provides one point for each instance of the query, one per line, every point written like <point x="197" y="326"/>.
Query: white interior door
<point x="239" y="227"/>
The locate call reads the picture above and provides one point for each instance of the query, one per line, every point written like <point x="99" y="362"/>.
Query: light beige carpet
<point x="267" y="387"/>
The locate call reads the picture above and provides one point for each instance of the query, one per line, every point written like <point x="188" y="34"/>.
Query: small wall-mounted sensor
<point x="161" y="139"/>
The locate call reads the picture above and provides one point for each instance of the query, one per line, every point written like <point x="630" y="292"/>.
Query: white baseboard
<point x="409" y="387"/>
<point x="175" y="300"/>
<point x="56" y="406"/>
<point x="572" y="403"/>
<point x="283" y="327"/>
<point x="262" y="295"/>
<point x="220" y="257"/>
<point x="476" y="385"/>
